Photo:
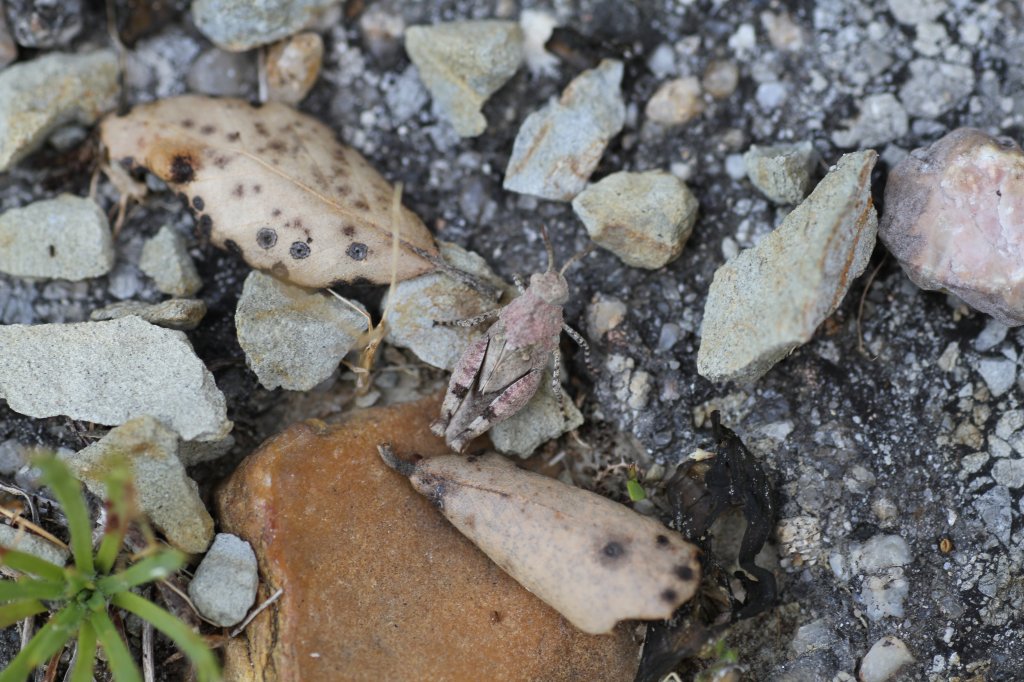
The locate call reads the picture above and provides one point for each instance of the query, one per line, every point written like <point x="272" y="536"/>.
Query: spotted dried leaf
<point x="274" y="186"/>
<point x="595" y="561"/>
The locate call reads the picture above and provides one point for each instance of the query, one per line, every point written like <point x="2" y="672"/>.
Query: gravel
<point x="224" y="586"/>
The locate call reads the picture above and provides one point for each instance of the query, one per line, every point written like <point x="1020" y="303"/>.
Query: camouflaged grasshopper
<point x="499" y="372"/>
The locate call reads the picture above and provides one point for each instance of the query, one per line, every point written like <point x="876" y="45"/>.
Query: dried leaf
<point x="595" y="561"/>
<point x="274" y="186"/>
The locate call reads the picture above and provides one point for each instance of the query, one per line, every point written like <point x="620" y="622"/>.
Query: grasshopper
<point x="499" y="372"/>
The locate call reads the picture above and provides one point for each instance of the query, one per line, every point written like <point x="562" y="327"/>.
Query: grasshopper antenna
<point x="582" y="254"/>
<point x="548" y="247"/>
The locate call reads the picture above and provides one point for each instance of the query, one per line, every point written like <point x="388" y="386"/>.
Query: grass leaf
<point x="48" y="641"/>
<point x="188" y="641"/>
<point x="27" y="588"/>
<point x="69" y="493"/>
<point x="119" y="514"/>
<point x="18" y="611"/>
<point x="119" y="659"/>
<point x="30" y="563"/>
<point x="156" y="567"/>
<point x="85" y="656"/>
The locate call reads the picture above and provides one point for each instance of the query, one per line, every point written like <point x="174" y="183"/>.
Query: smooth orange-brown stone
<point x="377" y="584"/>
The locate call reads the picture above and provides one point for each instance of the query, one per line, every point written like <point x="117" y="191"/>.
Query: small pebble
<point x="999" y="374"/>
<point x="721" y="78"/>
<point x="935" y="87"/>
<point x="603" y="315"/>
<point x="45" y="93"/>
<point x="222" y="74"/>
<point x="782" y="172"/>
<point x="224" y="586"/>
<point x="415" y="304"/>
<point x="163" y="490"/>
<point x="559" y="146"/>
<point x="44" y="23"/>
<point x="912" y="12"/>
<point x="783" y="33"/>
<point x="770" y="299"/>
<point x="676" y="102"/>
<point x="538" y="25"/>
<point x="885" y="658"/>
<point x="643" y="218"/>
<point x="952" y="219"/>
<point x="463" y="63"/>
<point x="881" y="120"/>
<point x="30" y="543"/>
<point x="1009" y="472"/>
<point x="183" y="314"/>
<point x="879" y="553"/>
<point x="110" y="372"/>
<point x="293" y="65"/>
<point x="63" y="238"/>
<point x="166" y="261"/>
<point x="541" y="420"/>
<point x="995" y="509"/>
<point x="240" y="25"/>
<point x="381" y="32"/>
<point x="991" y="336"/>
<point x="293" y="337"/>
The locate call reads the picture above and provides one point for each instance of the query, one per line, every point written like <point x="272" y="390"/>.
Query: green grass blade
<point x="85" y="657"/>
<point x="119" y="512"/>
<point x="69" y="493"/>
<point x="29" y="563"/>
<point x="48" y="641"/>
<point x="18" y="611"/>
<point x="27" y="588"/>
<point x="156" y="567"/>
<point x="119" y="659"/>
<point x="188" y="641"/>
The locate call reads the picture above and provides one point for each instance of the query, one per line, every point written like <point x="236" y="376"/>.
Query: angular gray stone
<point x="463" y="63"/>
<point x="559" y="146"/>
<point x="293" y="337"/>
<point x="166" y="261"/>
<point x="935" y="87"/>
<point x="415" y="304"/>
<point x="643" y="218"/>
<point x="63" y="238"/>
<point x="108" y="373"/>
<point x="782" y="172"/>
<point x="178" y="313"/>
<point x="240" y="25"/>
<point x="538" y="422"/>
<point x="885" y="658"/>
<point x="999" y="374"/>
<point x="192" y="452"/>
<point x="224" y="586"/>
<point x="165" y="493"/>
<point x="39" y="96"/>
<point x="30" y="543"/>
<point x="769" y="299"/>
<point x="914" y="12"/>
<point x="879" y="553"/>
<point x="1009" y="472"/>
<point x="996" y="512"/>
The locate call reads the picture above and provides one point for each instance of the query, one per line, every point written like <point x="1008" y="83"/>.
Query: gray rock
<point x="406" y="96"/>
<point x="415" y="304"/>
<point x="883" y="595"/>
<point x="178" y="313"/>
<point x="293" y="337"/>
<point x="192" y="452"/>
<point x="1009" y="472"/>
<point x="164" y="491"/>
<point x="8" y="50"/>
<point x="781" y="172"/>
<point x="223" y="74"/>
<point x="108" y="373"/>
<point x="881" y="120"/>
<point x="995" y="510"/>
<point x="540" y="421"/>
<point x="885" y="658"/>
<point x="463" y="63"/>
<point x="293" y="65"/>
<point x="44" y="23"/>
<point x="991" y="336"/>
<point x="63" y="238"/>
<point x="912" y="12"/>
<point x="676" y="102"/>
<point x="769" y="299"/>
<point x="935" y="87"/>
<point x="559" y="146"/>
<point x="41" y="95"/>
<point x="879" y="553"/>
<point x="29" y="543"/>
<point x="813" y="636"/>
<point x="999" y="374"/>
<point x="240" y="25"/>
<point x="643" y="218"/>
<point x="224" y="586"/>
<point x="166" y="261"/>
<point x="12" y="457"/>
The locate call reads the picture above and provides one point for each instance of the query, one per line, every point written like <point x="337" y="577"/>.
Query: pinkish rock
<point x="954" y="217"/>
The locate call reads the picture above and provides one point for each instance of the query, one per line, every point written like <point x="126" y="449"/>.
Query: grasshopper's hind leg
<point x="506" y="404"/>
<point x="463" y="378"/>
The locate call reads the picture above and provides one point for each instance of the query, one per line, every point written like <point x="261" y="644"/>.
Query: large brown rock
<point x="377" y="584"/>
